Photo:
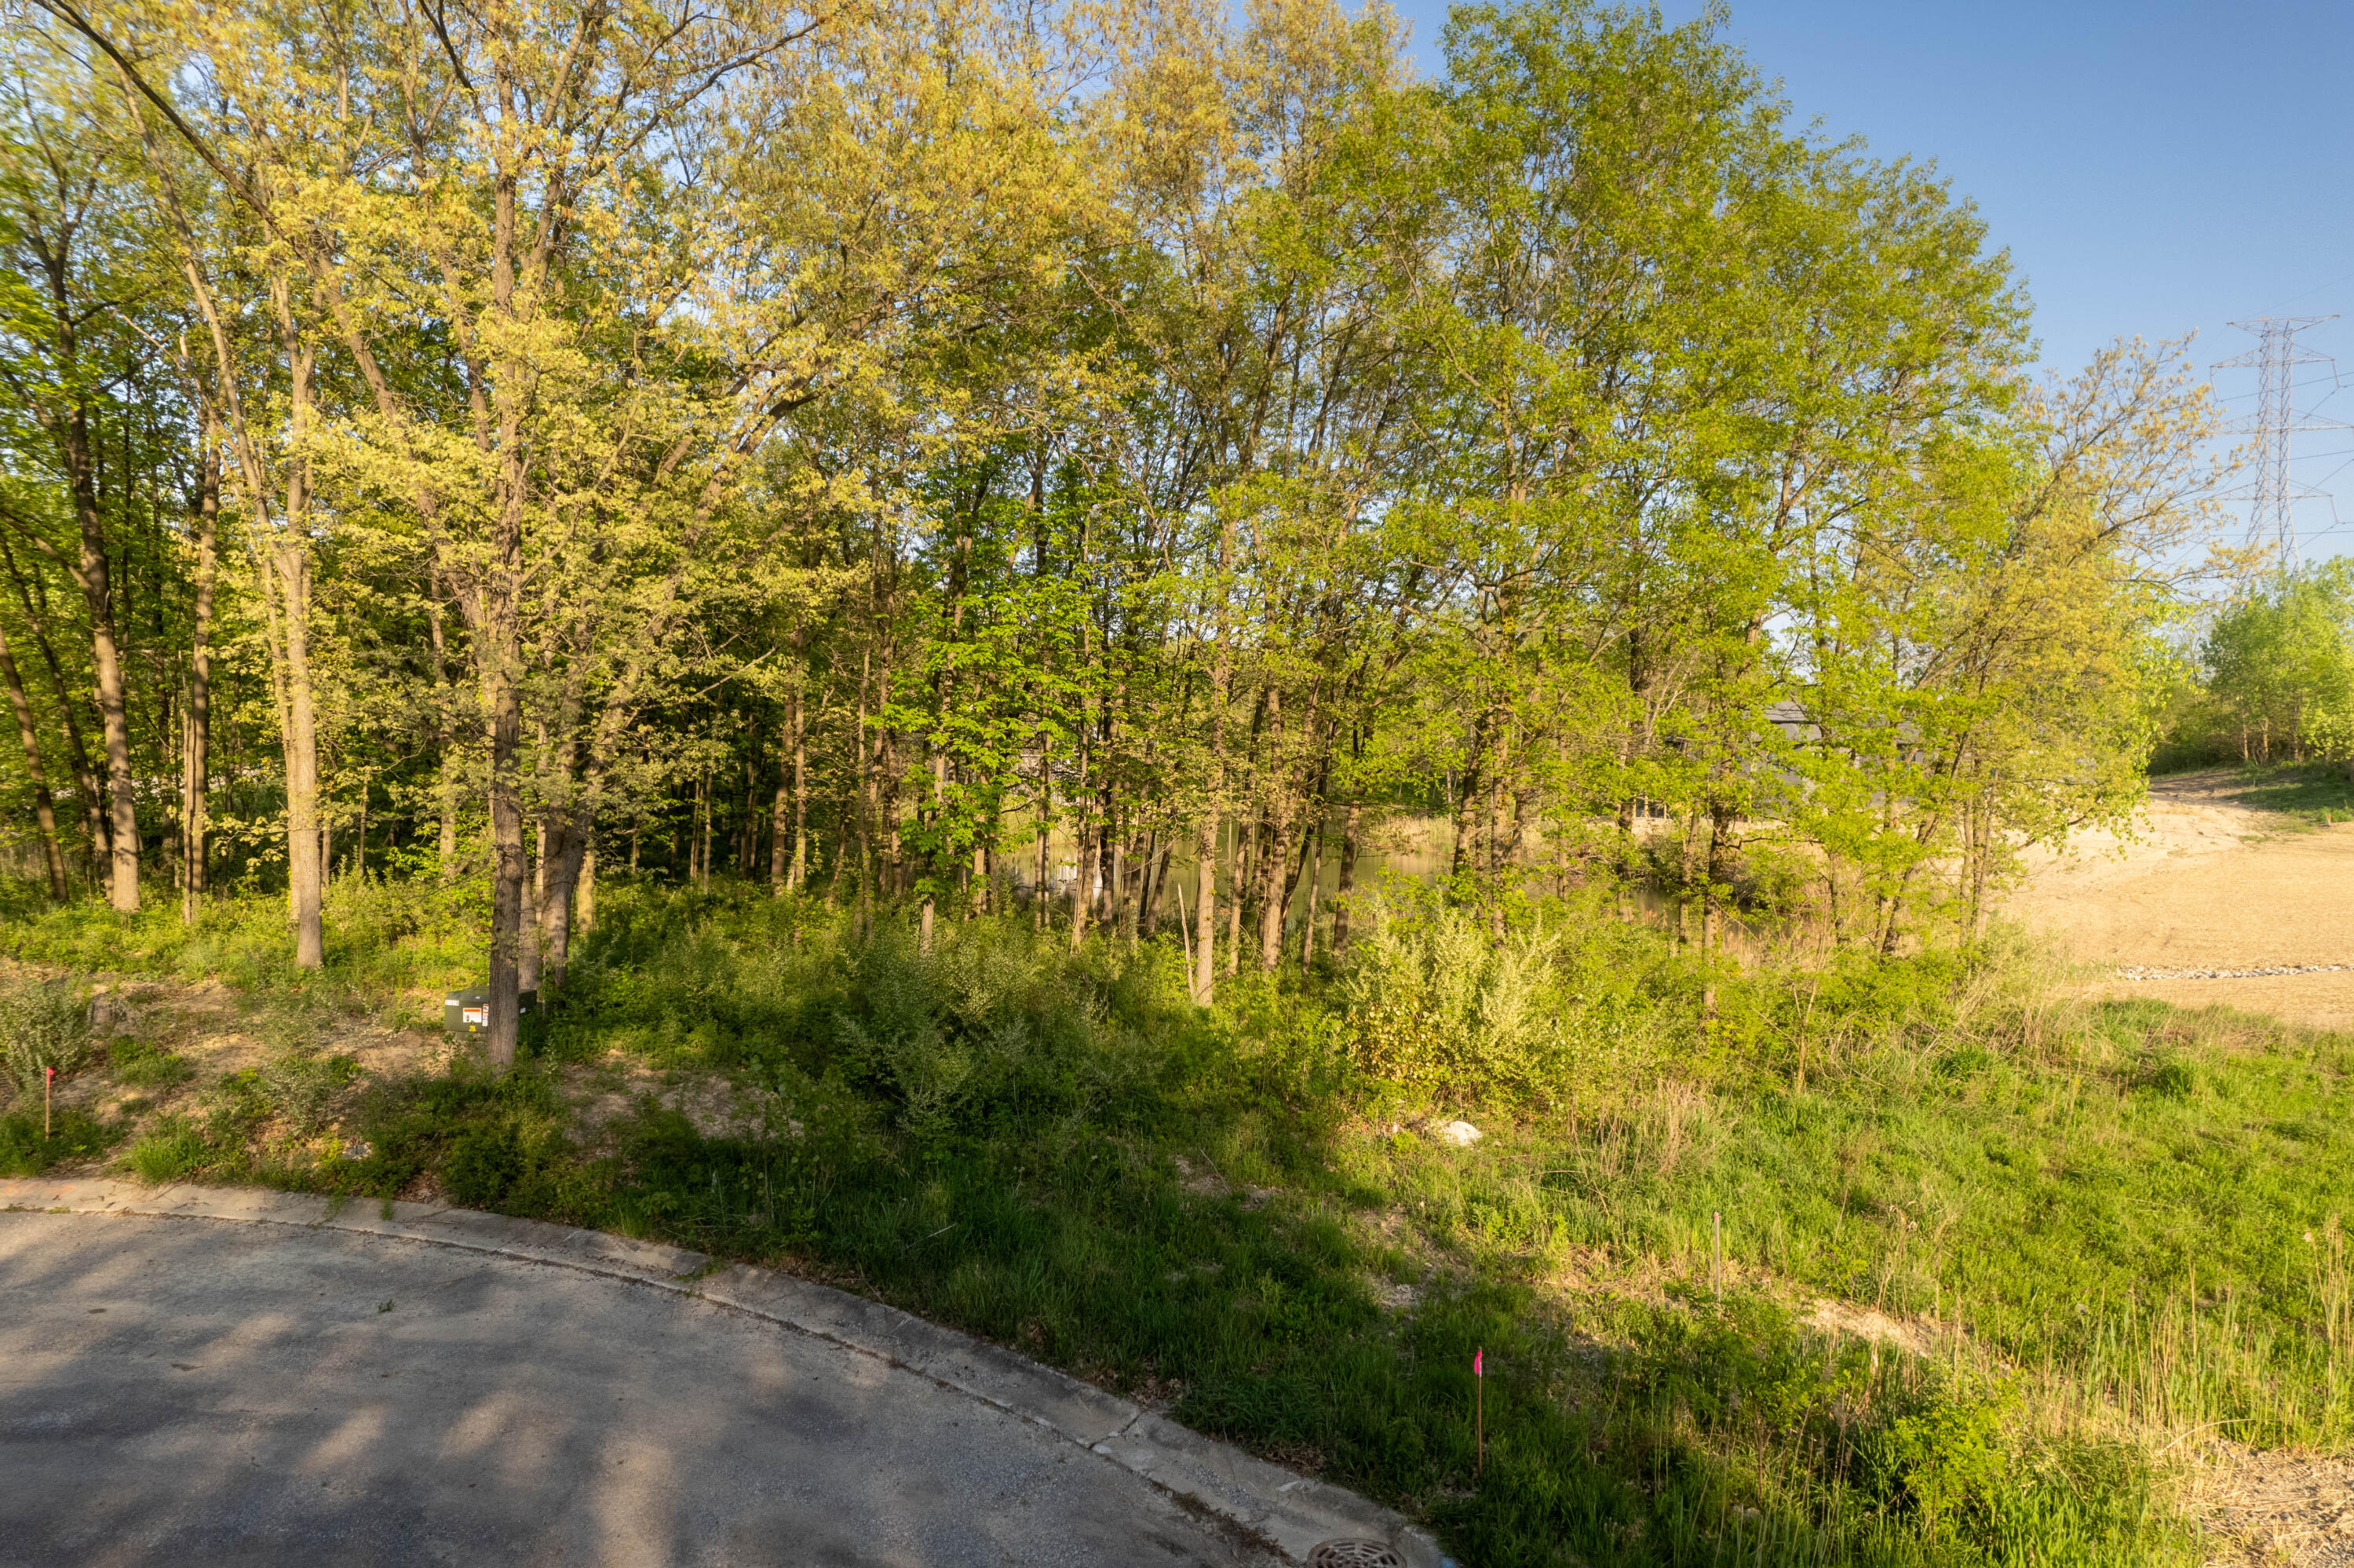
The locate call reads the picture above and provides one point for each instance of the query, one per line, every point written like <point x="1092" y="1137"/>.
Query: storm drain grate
<point x="1354" y="1554"/>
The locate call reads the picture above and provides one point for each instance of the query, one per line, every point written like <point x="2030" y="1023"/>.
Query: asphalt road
<point x="193" y="1391"/>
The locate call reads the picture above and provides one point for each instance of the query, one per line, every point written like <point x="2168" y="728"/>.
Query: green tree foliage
<point x="2280" y="661"/>
<point x="1117" y="463"/>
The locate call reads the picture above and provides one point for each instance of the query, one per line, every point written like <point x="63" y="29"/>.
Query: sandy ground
<point x="2278" y="1509"/>
<point x="2206" y="883"/>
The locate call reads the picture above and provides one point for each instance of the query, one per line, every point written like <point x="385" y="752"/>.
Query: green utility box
<point x="469" y="1011"/>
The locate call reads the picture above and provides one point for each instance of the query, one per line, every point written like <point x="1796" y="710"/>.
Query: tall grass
<point x="386" y="939"/>
<point x="2064" y="1239"/>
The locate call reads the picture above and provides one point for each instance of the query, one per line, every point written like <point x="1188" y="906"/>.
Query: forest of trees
<point x="2274" y="677"/>
<point x="896" y="450"/>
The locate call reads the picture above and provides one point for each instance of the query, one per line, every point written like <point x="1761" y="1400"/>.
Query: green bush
<point x="995" y="1021"/>
<point x="73" y="1135"/>
<point x="142" y="1065"/>
<point x="1447" y="1011"/>
<point x="2172" y="1080"/>
<point x="175" y="1151"/>
<point x="42" y="1025"/>
<point x="304" y="1089"/>
<point x="1946" y="1464"/>
<point x="484" y="1164"/>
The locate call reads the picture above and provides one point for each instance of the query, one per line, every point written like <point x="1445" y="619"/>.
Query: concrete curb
<point x="1292" y="1513"/>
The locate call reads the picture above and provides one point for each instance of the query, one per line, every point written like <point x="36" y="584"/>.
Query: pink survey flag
<point x="1477" y="1357"/>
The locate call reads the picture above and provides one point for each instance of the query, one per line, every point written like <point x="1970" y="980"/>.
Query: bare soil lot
<point x="2207" y="881"/>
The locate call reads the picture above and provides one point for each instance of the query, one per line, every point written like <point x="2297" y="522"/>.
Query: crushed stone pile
<point x="2135" y="972"/>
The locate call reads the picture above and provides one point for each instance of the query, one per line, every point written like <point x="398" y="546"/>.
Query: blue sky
<point x="2153" y="168"/>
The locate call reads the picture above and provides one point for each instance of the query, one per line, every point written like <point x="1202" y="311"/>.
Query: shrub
<point x="996" y="1019"/>
<point x="1444" y="1008"/>
<point x="140" y="1065"/>
<point x="1944" y="1462"/>
<point x="174" y="1150"/>
<point x="72" y="1136"/>
<point x="303" y="1089"/>
<point x="42" y="1024"/>
<point x="2172" y="1080"/>
<point x="483" y="1163"/>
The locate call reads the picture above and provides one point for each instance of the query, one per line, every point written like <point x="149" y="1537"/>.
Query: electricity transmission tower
<point x="2272" y="496"/>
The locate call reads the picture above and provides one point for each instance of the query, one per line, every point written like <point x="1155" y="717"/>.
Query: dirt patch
<point x="2206" y="883"/>
<point x="1201" y="1182"/>
<point x="2293" y="1510"/>
<point x="217" y="1031"/>
<point x="2316" y="1001"/>
<point x="611" y="1091"/>
<point x="1839" y="1318"/>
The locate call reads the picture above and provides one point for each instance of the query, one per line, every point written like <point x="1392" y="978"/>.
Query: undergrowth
<point x="2060" y="1236"/>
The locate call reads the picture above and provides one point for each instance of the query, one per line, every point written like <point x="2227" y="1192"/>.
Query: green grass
<point x="2093" y="1219"/>
<point x="26" y="1151"/>
<point x="386" y="941"/>
<point x="2301" y="795"/>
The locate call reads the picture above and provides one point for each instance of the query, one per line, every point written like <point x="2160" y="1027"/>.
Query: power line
<point x="2330" y="381"/>
<point x="2272" y="496"/>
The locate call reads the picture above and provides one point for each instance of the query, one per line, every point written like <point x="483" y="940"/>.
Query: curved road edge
<point x="1289" y="1511"/>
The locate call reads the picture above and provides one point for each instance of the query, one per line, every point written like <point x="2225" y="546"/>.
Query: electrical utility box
<point x="469" y="1011"/>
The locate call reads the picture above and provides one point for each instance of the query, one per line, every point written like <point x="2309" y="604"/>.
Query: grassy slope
<point x="2298" y="795"/>
<point x="1212" y="1210"/>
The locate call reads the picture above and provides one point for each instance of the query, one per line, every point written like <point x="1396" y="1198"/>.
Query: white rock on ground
<point x="1461" y="1134"/>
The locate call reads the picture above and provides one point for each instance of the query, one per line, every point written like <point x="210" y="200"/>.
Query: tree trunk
<point x="291" y="563"/>
<point x="1156" y="886"/>
<point x="797" y="874"/>
<point x="1315" y="883"/>
<point x="1082" y="868"/>
<point x="565" y="862"/>
<point x="1083" y="858"/>
<point x="445" y="697"/>
<point x="497" y="641"/>
<point x="747" y="839"/>
<point x="93" y="577"/>
<point x="44" y="807"/>
<point x="936" y="863"/>
<point x="1345" y="881"/>
<point x="1237" y="881"/>
<point x="68" y="423"/>
<point x="1046" y="853"/>
<point x="869" y="807"/>
<point x="197" y="753"/>
<point x="1205" y="906"/>
<point x="778" y="838"/>
<point x="88" y="792"/>
<point x="701" y="850"/>
<point x="1275" y="859"/>
<point x="528" y="949"/>
<point x="1495" y="855"/>
<point x="1116" y="913"/>
<point x="502" y="710"/>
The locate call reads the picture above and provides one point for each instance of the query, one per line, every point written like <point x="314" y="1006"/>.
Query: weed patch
<point x="72" y="1136"/>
